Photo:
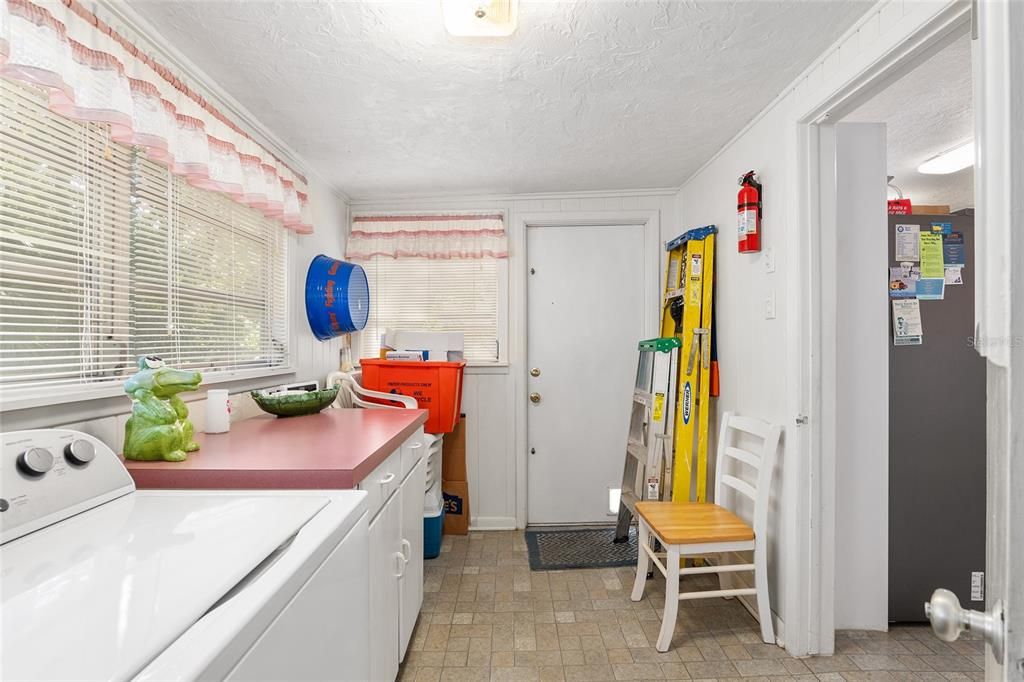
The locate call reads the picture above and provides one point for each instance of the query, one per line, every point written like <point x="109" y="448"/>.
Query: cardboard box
<point x="439" y="346"/>
<point x="456" y="507"/>
<point x="930" y="210"/>
<point x="453" y="457"/>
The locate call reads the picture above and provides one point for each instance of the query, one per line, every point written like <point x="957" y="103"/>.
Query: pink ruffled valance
<point x="451" y="234"/>
<point x="92" y="73"/>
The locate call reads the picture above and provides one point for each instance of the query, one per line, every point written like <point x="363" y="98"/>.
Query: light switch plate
<point x="769" y="306"/>
<point x="768" y="259"/>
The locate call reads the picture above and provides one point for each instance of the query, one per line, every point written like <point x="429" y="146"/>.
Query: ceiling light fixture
<point x="480" y="18"/>
<point x="951" y="161"/>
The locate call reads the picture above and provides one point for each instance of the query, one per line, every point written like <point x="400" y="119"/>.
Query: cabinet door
<point x="412" y="549"/>
<point x="386" y="564"/>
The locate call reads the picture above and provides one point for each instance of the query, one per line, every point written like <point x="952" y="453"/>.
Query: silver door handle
<point x="949" y="619"/>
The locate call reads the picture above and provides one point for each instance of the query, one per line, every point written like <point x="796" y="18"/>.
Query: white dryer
<point x="99" y="581"/>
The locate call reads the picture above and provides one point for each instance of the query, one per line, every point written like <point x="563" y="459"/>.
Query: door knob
<point x="535" y="398"/>
<point x="535" y="372"/>
<point x="949" y="619"/>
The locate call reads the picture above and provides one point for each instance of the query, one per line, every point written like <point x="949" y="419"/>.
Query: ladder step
<point x="637" y="452"/>
<point x="674" y="293"/>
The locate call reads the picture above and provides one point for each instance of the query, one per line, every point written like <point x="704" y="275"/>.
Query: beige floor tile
<point x="486" y="616"/>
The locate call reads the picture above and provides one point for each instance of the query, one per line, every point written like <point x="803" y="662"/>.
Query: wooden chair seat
<point x="691" y="523"/>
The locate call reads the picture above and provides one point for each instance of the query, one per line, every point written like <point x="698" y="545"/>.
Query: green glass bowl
<point x="295" y="404"/>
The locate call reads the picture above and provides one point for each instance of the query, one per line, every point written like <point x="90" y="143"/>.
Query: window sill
<point x="43" y="397"/>
<point x="496" y="368"/>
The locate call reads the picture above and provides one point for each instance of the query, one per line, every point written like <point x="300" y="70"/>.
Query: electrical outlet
<point x="769" y="306"/>
<point x="978" y="586"/>
<point x="768" y="259"/>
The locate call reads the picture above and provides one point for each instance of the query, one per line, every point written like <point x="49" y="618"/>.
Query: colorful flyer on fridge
<point x="906" y="322"/>
<point x="902" y="282"/>
<point x="932" y="288"/>
<point x="907" y="247"/>
<point x="953" y="249"/>
<point x="932" y="265"/>
<point x="942" y="228"/>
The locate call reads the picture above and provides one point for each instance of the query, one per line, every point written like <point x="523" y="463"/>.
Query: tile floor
<point x="486" y="616"/>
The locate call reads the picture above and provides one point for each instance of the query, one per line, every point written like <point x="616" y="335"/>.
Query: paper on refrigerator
<point x="907" y="245"/>
<point x="906" y="322"/>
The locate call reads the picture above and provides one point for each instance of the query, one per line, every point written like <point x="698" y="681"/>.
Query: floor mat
<point x="554" y="550"/>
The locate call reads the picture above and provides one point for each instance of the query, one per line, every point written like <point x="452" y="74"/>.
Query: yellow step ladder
<point x="687" y="315"/>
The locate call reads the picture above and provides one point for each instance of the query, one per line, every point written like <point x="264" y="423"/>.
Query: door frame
<point x="815" y="299"/>
<point x="650" y="221"/>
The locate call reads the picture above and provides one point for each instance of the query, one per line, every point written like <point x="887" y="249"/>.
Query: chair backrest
<point x="762" y="461"/>
<point x="351" y="383"/>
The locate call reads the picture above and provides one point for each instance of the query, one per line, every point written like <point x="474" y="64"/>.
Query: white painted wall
<point x="488" y="395"/>
<point x="764" y="363"/>
<point x="862" y="377"/>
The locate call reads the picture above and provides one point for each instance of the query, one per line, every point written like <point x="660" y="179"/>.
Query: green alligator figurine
<point x="159" y="427"/>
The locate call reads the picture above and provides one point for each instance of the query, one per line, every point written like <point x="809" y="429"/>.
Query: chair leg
<point x="643" y="562"/>
<point x="724" y="579"/>
<point x="764" y="610"/>
<point x="668" y="619"/>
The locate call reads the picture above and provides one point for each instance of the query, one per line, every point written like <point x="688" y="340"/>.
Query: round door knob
<point x="35" y="461"/>
<point x="945" y="614"/>
<point x="80" y="451"/>
<point x="535" y="398"/>
<point x="535" y="372"/>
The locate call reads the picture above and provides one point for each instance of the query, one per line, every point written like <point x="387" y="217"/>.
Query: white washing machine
<point x="99" y="581"/>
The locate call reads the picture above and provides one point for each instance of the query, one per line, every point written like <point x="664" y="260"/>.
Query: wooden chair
<point x="693" y="529"/>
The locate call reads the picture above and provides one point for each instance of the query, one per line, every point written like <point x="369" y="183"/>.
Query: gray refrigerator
<point x="937" y="443"/>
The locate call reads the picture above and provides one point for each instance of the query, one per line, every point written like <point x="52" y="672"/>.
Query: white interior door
<point x="999" y="309"/>
<point x="585" y="315"/>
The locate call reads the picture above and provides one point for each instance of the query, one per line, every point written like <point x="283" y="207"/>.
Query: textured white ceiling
<point x="586" y="95"/>
<point x="927" y="112"/>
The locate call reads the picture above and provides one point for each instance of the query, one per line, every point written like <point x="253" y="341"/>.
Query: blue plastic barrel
<point x="337" y="297"/>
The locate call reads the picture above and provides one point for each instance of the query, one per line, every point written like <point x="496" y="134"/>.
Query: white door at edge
<point x="585" y="315"/>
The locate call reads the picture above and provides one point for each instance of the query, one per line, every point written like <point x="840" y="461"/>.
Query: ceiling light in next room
<point x="955" y="159"/>
<point x="480" y="18"/>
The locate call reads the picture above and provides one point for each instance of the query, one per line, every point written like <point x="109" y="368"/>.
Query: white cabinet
<point x="411" y="583"/>
<point x="396" y="490"/>
<point x="386" y="564"/>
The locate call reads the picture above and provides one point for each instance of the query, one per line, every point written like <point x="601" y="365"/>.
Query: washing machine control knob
<point x="35" y="461"/>
<point x="79" y="451"/>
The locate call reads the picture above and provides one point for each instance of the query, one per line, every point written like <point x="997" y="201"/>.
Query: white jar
<point x="218" y="411"/>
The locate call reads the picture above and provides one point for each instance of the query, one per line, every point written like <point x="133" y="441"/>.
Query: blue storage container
<point x="337" y="297"/>
<point x="432" y="527"/>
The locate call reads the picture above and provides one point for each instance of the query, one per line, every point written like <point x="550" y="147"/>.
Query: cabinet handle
<point x="406" y="550"/>
<point x="401" y="565"/>
<point x="387" y="479"/>
<point x="416" y="446"/>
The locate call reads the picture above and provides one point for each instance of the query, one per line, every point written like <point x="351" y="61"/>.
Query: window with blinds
<point x="421" y="294"/>
<point x="105" y="256"/>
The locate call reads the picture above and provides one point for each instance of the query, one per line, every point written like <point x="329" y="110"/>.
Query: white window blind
<point x="105" y="256"/>
<point x="434" y="295"/>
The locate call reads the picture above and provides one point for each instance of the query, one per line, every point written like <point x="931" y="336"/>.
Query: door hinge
<point x="801" y="420"/>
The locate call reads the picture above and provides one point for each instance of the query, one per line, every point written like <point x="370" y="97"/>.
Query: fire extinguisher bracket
<point x="749" y="213"/>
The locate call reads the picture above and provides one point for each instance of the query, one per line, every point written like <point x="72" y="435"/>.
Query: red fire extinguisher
<point x="748" y="214"/>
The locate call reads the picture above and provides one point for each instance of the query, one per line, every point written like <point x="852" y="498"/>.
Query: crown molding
<point x="526" y="196"/>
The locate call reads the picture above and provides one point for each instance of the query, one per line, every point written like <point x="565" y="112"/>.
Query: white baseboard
<point x="493" y="523"/>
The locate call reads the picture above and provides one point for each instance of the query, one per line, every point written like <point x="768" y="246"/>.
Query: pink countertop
<point x="335" y="449"/>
